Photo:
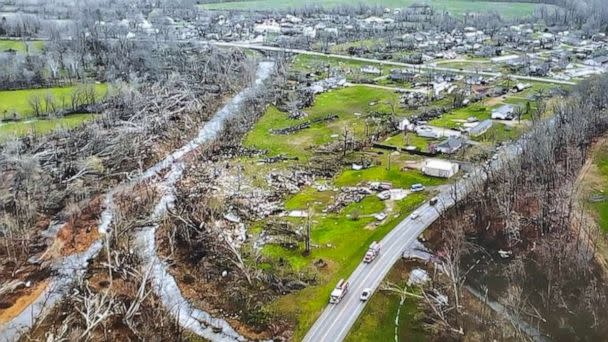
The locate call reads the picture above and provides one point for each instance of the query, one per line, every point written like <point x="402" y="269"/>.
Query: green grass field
<point x="33" y="46"/>
<point x="23" y="128"/>
<point x="457" y="7"/>
<point x="17" y="100"/>
<point x="343" y="102"/>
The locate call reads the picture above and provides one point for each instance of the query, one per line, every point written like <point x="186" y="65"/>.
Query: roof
<point x="451" y="142"/>
<point x="485" y="124"/>
<point x="438" y="164"/>
<point x="505" y="109"/>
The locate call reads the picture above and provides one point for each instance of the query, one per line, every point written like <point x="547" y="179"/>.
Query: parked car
<point x="417" y="188"/>
<point x="367" y="292"/>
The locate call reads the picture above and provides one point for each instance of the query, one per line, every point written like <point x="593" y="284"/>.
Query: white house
<point x="439" y="168"/>
<point x="369" y="69"/>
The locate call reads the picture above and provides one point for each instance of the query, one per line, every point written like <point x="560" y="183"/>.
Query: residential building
<point x="440" y="168"/>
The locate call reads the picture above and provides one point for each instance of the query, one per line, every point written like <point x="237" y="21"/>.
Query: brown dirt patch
<point x="22" y="302"/>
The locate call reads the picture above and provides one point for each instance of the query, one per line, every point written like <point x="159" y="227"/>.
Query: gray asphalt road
<point x="397" y="64"/>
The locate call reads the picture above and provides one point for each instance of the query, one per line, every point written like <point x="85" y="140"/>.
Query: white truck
<point x="339" y="292"/>
<point x="372" y="252"/>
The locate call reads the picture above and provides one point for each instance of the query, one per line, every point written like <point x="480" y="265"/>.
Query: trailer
<point x="372" y="252"/>
<point x="338" y="292"/>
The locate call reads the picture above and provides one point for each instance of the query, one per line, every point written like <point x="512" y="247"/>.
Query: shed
<point x="439" y="168"/>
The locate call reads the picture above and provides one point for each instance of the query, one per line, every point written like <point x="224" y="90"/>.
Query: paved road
<point x="398" y="64"/>
<point x="336" y="320"/>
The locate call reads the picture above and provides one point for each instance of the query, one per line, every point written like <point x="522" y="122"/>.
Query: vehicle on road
<point x="367" y="292"/>
<point x="415" y="215"/>
<point x="338" y="292"/>
<point x="417" y="188"/>
<point x="433" y="201"/>
<point x="372" y="252"/>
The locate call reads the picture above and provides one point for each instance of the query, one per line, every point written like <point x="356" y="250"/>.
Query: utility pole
<point x="307" y="250"/>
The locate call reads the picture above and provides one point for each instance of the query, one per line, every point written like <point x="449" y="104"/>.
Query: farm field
<point x="17" y="101"/>
<point x="22" y="128"/>
<point x="453" y="6"/>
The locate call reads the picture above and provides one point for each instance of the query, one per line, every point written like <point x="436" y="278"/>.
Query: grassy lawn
<point x="597" y="183"/>
<point x="377" y="321"/>
<point x="399" y="179"/>
<point x="515" y="9"/>
<point x="343" y="102"/>
<point x="33" y="46"/>
<point x="23" y="128"/>
<point x="349" y="68"/>
<point x="455" y="118"/>
<point x="18" y="100"/>
<point x="411" y="139"/>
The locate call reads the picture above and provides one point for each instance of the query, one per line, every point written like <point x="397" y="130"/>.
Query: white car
<point x="367" y="292"/>
<point x="417" y="188"/>
<point x="415" y="215"/>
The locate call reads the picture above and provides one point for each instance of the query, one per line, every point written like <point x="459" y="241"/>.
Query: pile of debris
<point x="290" y="183"/>
<point x="257" y="204"/>
<point x="276" y="159"/>
<point x="430" y="114"/>
<point x="232" y="151"/>
<point x="413" y="100"/>
<point x="303" y="125"/>
<point x="347" y="196"/>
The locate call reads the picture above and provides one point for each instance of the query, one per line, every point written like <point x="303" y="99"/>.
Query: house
<point x="597" y="62"/>
<point x="505" y="112"/>
<point x="369" y="69"/>
<point x="450" y="145"/>
<point x="439" y="168"/>
<point x="480" y="128"/>
<point x="402" y="75"/>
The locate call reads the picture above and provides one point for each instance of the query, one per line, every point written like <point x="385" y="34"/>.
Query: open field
<point x="17" y="101"/>
<point x="23" y="128"/>
<point x="21" y="46"/>
<point x="458" y="7"/>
